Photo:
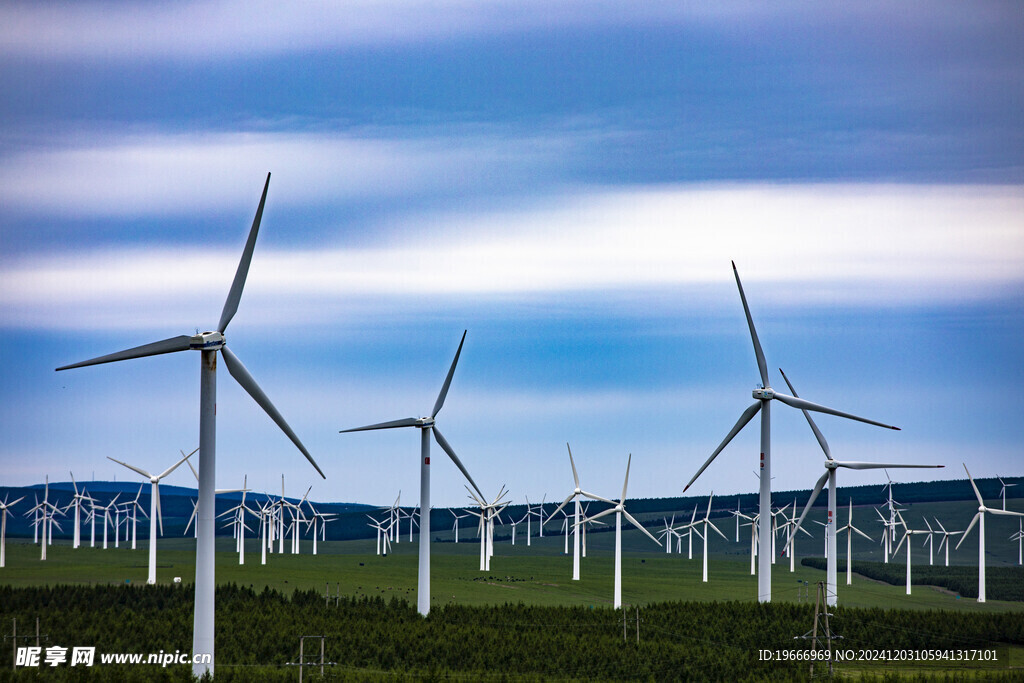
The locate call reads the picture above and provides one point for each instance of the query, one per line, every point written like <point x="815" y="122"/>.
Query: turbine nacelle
<point x="764" y="393"/>
<point x="207" y="341"/>
<point x="425" y="422"/>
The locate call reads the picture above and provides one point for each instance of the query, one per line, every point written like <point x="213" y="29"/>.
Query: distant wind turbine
<point x="764" y="394"/>
<point x="208" y="344"/>
<point x="979" y="519"/>
<point x="619" y="509"/>
<point x="155" y="516"/>
<point x="427" y="425"/>
<point x="575" y="496"/>
<point x="831" y="465"/>
<point x="4" y="511"/>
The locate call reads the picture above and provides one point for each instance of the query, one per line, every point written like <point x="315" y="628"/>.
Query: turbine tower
<point x="979" y="519"/>
<point x="208" y="344"/>
<point x="4" y="511"/>
<point x="764" y="394"/>
<point x="427" y="425"/>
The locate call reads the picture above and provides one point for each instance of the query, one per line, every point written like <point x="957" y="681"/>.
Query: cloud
<point x="163" y="174"/>
<point x="808" y="243"/>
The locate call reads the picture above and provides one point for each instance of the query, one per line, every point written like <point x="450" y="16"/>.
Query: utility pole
<point x="302" y="655"/>
<point x="821" y="635"/>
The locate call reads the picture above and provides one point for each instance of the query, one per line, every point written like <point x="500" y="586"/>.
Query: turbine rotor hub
<point x="425" y="422"/>
<point x="207" y="341"/>
<point x="764" y="393"/>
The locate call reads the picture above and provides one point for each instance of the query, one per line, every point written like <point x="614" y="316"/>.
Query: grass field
<point x="536" y="575"/>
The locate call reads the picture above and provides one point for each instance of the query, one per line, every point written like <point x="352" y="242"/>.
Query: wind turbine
<point x="945" y="538"/>
<point x="575" y="496"/>
<point x="620" y="511"/>
<point x="427" y="425"/>
<point x="155" y="516"/>
<point x="455" y="527"/>
<point x="830" y="476"/>
<point x="707" y="522"/>
<point x="850" y="529"/>
<point x="208" y="344"/>
<point x="488" y="511"/>
<point x="135" y="507"/>
<point x="1002" y="491"/>
<point x="979" y="519"/>
<point x="764" y="394"/>
<point x="4" y="507"/>
<point x="907" y="533"/>
<point x="77" y="500"/>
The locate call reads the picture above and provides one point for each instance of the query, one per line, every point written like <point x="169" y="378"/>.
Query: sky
<point x="568" y="182"/>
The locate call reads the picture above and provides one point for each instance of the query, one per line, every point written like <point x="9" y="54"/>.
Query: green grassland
<point x="539" y="576"/>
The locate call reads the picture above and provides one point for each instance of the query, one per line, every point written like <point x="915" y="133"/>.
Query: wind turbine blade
<point x="970" y="526"/>
<point x="860" y="532"/>
<point x="1010" y="513"/>
<point x="711" y="524"/>
<point x="564" y="503"/>
<point x="594" y="496"/>
<point x="853" y="465"/>
<point x="807" y="405"/>
<point x="448" y="380"/>
<point x="976" y="491"/>
<point x="575" y="476"/>
<point x="175" y="465"/>
<point x="625" y="482"/>
<point x="179" y="343"/>
<point x="243" y="377"/>
<point x="897" y="549"/>
<point x="144" y="473"/>
<point x="599" y="515"/>
<point x="814" y="428"/>
<point x="762" y="367"/>
<point x="746" y="417"/>
<point x="235" y="293"/>
<point x="443" y="443"/>
<point x="818" y="485"/>
<point x="191" y="467"/>
<point x="639" y="526"/>
<point x="406" y="422"/>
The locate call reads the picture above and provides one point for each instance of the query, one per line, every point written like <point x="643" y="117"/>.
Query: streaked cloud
<point x="811" y="243"/>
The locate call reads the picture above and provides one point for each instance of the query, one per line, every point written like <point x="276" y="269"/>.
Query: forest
<point x="371" y="639"/>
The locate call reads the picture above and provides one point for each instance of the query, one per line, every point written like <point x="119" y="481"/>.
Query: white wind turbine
<point x="945" y="538"/>
<point x="1002" y="491"/>
<point x="106" y="516"/>
<point x="831" y="465"/>
<point x="208" y="344"/>
<point x="323" y="519"/>
<point x="427" y="425"/>
<point x="764" y="394"/>
<point x="135" y="507"/>
<point x="155" y="516"/>
<point x="575" y="496"/>
<point x="619" y="509"/>
<point x="487" y="514"/>
<point x="455" y="527"/>
<point x="979" y="519"/>
<point x="77" y="500"/>
<point x="907" y="533"/>
<point x="850" y="529"/>
<point x="708" y="523"/>
<point x="4" y="507"/>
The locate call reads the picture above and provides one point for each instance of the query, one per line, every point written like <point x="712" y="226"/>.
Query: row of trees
<point x="1001" y="583"/>
<point x="372" y="639"/>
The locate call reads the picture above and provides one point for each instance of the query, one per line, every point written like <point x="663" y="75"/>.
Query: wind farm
<point x="623" y="214"/>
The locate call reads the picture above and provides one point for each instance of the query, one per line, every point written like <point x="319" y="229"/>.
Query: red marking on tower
<point x="426" y="461"/>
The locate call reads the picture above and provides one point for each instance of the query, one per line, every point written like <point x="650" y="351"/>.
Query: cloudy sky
<point x="566" y="181"/>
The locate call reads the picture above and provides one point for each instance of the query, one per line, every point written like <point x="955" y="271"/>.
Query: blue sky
<point x="569" y="183"/>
